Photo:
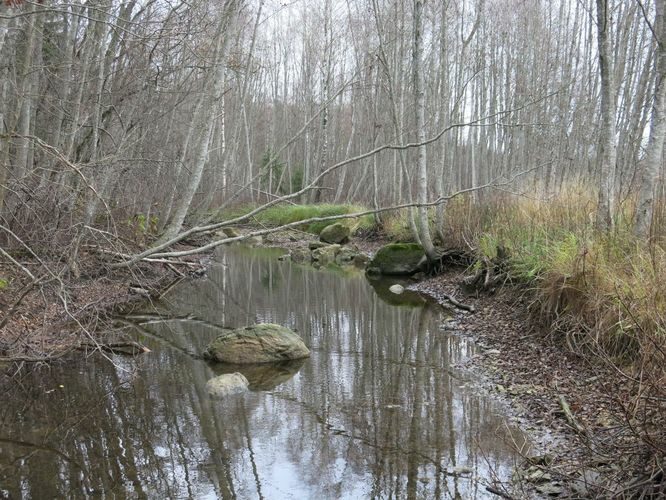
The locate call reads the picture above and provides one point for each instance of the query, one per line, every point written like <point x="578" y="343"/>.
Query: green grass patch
<point x="286" y="214"/>
<point x="396" y="226"/>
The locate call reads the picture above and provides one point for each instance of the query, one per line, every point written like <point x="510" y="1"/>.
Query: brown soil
<point x="594" y="455"/>
<point x="61" y="314"/>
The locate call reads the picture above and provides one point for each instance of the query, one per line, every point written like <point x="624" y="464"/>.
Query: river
<point x="379" y="410"/>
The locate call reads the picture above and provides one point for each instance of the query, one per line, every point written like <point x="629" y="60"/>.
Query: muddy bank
<point x="62" y="313"/>
<point x="574" y="407"/>
<point x="572" y="401"/>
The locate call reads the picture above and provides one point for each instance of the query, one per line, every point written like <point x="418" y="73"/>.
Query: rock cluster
<point x="324" y="254"/>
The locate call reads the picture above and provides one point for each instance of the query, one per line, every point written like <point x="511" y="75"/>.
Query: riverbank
<point x="46" y="320"/>
<point x="573" y="407"/>
<point x="572" y="398"/>
<point x="576" y="406"/>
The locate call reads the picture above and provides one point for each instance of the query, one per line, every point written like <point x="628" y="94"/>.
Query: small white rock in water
<point x="397" y="289"/>
<point x="227" y="385"/>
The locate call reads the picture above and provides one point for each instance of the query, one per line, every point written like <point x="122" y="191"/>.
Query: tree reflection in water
<point x="377" y="411"/>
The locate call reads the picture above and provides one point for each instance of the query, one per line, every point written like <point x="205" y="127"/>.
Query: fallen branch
<point x="314" y="184"/>
<point x="173" y="262"/>
<point x="459" y="305"/>
<point x="117" y="347"/>
<point x="156" y="251"/>
<point x="568" y="414"/>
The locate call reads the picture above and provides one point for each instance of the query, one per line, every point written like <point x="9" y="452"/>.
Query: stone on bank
<point x="398" y="259"/>
<point x="335" y="233"/>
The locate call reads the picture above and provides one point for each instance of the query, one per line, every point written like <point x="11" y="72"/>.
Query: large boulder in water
<point x="227" y="385"/>
<point x="262" y="343"/>
<point x="398" y="259"/>
<point x="335" y="233"/>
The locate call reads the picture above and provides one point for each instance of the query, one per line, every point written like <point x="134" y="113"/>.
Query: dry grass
<point x="604" y="294"/>
<point x="612" y="287"/>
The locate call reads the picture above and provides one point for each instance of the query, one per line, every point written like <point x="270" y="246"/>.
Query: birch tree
<point x="423" y="224"/>
<point x="608" y="147"/>
<point x="204" y="119"/>
<point x="655" y="149"/>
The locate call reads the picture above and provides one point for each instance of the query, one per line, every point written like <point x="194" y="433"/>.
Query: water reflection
<point x="376" y="412"/>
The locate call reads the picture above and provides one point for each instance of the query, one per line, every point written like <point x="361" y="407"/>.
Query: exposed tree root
<point x="490" y="274"/>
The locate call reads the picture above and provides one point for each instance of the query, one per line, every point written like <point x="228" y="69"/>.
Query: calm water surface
<point x="376" y="412"/>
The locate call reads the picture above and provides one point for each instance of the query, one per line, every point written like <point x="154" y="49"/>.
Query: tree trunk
<point x="215" y="82"/>
<point x="655" y="147"/>
<point x="423" y="226"/>
<point x="605" y="209"/>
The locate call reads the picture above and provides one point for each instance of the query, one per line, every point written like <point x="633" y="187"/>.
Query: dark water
<point x="376" y="412"/>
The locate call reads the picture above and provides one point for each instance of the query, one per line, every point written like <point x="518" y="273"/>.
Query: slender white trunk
<point x="423" y="225"/>
<point x="605" y="209"/>
<point x="655" y="148"/>
<point x="4" y="87"/>
<point x="28" y="75"/>
<point x="215" y="82"/>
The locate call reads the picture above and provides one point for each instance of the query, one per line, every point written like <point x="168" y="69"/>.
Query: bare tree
<point x="204" y="119"/>
<point x="423" y="223"/>
<point x="655" y="149"/>
<point x="608" y="156"/>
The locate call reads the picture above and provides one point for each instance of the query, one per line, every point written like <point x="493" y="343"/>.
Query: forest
<point x="520" y="139"/>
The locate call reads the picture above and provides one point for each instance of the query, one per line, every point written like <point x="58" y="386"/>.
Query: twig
<point x="117" y="347"/>
<point x="498" y="492"/>
<point x="17" y="302"/>
<point x="459" y="305"/>
<point x="34" y="359"/>
<point x="570" y="416"/>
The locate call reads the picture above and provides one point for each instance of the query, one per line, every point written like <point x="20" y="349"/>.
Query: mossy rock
<point x="398" y="259"/>
<point x="335" y="233"/>
<point x="261" y="343"/>
<point x="231" y="232"/>
<point x="325" y="255"/>
<point x="301" y="255"/>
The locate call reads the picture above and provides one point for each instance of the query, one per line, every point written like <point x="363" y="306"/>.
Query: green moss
<point x="397" y="258"/>
<point x="3" y="283"/>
